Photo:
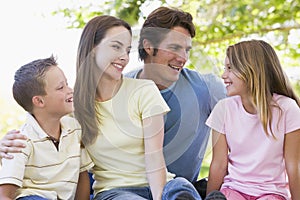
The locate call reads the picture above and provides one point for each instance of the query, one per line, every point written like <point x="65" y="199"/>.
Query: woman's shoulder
<point x="132" y="82"/>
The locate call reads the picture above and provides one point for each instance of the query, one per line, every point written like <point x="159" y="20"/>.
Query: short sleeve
<point x="292" y="116"/>
<point x="86" y="162"/>
<point x="216" y="119"/>
<point x="151" y="102"/>
<point x="12" y="170"/>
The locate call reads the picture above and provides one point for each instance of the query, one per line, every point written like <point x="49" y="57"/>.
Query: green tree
<point x="219" y="23"/>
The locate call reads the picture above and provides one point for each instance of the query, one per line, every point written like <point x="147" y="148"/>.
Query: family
<point x="143" y="135"/>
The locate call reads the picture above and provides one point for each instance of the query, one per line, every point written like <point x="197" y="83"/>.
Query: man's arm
<point x="11" y="143"/>
<point x="216" y="88"/>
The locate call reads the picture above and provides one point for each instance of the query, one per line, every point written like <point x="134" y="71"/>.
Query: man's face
<point x="172" y="54"/>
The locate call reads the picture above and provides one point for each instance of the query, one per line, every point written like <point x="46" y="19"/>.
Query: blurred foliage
<point x="219" y="23"/>
<point x="12" y="116"/>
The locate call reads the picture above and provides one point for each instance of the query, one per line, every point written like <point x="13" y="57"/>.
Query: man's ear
<point x="38" y="101"/>
<point x="148" y="47"/>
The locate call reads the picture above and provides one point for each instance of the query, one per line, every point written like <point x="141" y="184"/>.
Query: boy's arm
<point x="83" y="187"/>
<point x="219" y="163"/>
<point x="292" y="161"/>
<point x="10" y="143"/>
<point x="8" y="191"/>
<point x="155" y="164"/>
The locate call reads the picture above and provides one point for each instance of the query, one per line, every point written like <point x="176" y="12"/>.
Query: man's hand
<point x="11" y="143"/>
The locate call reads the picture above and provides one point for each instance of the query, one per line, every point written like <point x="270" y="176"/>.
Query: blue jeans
<point x="32" y="197"/>
<point x="172" y="190"/>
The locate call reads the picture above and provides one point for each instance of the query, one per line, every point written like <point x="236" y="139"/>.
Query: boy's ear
<point x="38" y="101"/>
<point x="148" y="47"/>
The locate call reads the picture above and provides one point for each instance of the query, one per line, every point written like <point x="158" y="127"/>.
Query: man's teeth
<point x="175" y="67"/>
<point x="118" y="66"/>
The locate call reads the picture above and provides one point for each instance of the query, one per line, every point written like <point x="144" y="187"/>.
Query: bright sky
<point x="29" y="31"/>
<point x="27" y="35"/>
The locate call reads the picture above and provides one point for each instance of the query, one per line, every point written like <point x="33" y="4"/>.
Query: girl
<point x="256" y="130"/>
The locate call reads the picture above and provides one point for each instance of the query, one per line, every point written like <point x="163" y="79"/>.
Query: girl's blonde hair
<point x="257" y="63"/>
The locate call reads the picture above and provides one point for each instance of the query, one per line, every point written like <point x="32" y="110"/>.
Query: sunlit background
<point x="30" y="31"/>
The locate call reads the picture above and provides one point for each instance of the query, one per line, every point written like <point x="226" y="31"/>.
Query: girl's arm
<point x="292" y="161"/>
<point x="8" y="191"/>
<point x="83" y="187"/>
<point x="154" y="159"/>
<point x="218" y="166"/>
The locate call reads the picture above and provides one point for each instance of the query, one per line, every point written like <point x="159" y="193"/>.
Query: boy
<point x="53" y="164"/>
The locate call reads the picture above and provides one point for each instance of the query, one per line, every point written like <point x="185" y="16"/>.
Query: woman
<point x="121" y="118"/>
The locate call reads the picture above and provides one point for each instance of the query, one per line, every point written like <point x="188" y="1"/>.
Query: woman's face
<point x="112" y="53"/>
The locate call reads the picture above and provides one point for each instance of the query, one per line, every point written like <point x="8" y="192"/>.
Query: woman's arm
<point x="219" y="163"/>
<point x="292" y="161"/>
<point x="83" y="187"/>
<point x="154" y="159"/>
<point x="10" y="143"/>
<point x="8" y="191"/>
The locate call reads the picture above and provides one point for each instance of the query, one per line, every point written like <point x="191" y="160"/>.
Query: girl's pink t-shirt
<point x="256" y="161"/>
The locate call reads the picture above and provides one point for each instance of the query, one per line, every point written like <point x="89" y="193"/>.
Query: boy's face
<point x="59" y="98"/>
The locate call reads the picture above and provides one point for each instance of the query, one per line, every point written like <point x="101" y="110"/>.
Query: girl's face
<point x="234" y="85"/>
<point x="112" y="53"/>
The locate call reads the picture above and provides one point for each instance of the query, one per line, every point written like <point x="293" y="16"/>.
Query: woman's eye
<point x="117" y="47"/>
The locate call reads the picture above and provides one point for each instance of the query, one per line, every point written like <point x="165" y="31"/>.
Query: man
<point x="164" y="45"/>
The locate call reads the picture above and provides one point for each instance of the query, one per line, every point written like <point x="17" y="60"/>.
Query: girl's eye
<point x="227" y="68"/>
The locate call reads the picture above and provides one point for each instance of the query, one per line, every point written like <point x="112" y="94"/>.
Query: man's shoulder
<point x="133" y="73"/>
<point x="197" y="76"/>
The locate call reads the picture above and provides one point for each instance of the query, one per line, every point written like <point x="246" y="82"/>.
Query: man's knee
<point x="180" y="188"/>
<point x="201" y="186"/>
